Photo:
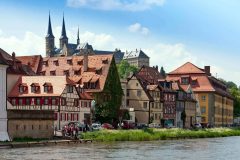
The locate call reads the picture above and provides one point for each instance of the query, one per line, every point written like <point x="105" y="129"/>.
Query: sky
<point x="170" y="32"/>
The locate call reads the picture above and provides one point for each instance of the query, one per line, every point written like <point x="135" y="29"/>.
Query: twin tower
<point x="51" y="50"/>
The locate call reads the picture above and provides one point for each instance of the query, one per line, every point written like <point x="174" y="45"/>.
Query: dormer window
<point x="43" y="73"/>
<point x="69" y="61"/>
<point x="45" y="63"/>
<point x="22" y="87"/>
<point x="185" y="80"/>
<point x="66" y="72"/>
<point x="99" y="70"/>
<point x="47" y="87"/>
<point x="55" y="62"/>
<point x="53" y="73"/>
<point x="35" y="87"/>
<point x="80" y="62"/>
<point x="105" y="61"/>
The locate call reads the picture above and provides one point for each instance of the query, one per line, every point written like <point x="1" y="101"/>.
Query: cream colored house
<point x="145" y="99"/>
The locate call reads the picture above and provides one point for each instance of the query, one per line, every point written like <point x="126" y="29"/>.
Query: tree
<point x="162" y="72"/>
<point x="124" y="69"/>
<point x="183" y="117"/>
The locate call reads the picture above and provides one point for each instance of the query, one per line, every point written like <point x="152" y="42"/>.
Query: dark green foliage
<point x="183" y="117"/>
<point x="108" y="102"/>
<point x="159" y="134"/>
<point x="126" y="115"/>
<point x="162" y="72"/>
<point x="124" y="69"/>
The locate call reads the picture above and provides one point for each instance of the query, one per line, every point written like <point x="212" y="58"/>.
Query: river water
<point x="195" y="149"/>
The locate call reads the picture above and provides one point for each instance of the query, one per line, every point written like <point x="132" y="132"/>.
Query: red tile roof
<point x="186" y="69"/>
<point x="58" y="84"/>
<point x="94" y="62"/>
<point x="204" y="82"/>
<point x="31" y="61"/>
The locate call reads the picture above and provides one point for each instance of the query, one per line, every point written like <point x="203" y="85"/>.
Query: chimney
<point x="207" y="70"/>
<point x="157" y="67"/>
<point x="85" y="61"/>
<point x="14" y="59"/>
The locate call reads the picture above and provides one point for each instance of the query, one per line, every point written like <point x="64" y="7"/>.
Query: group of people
<point x="73" y="129"/>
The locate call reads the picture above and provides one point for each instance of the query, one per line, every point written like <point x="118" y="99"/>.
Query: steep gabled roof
<point x="187" y="68"/>
<point x="58" y="84"/>
<point x="135" y="54"/>
<point x="150" y="74"/>
<point x="32" y="61"/>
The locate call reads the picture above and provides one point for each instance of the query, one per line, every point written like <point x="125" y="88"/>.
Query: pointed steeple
<point x="63" y="35"/>
<point x="78" y="39"/>
<point x="49" y="32"/>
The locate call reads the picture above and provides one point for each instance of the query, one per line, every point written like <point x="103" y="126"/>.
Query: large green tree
<point x="124" y="69"/>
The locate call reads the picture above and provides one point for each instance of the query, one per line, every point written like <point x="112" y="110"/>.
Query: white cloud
<point x="138" y="28"/>
<point x="170" y="56"/>
<point x="134" y="5"/>
<point x="30" y="44"/>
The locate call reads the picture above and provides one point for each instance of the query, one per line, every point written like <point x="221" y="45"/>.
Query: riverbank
<point x="159" y="134"/>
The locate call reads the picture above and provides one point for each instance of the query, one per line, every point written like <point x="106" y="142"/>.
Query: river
<point x="227" y="148"/>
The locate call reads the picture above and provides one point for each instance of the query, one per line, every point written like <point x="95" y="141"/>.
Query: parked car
<point x="170" y="125"/>
<point x="107" y="126"/>
<point x="142" y="126"/>
<point x="96" y="127"/>
<point x="197" y="126"/>
<point x="128" y="124"/>
<point x="154" y="125"/>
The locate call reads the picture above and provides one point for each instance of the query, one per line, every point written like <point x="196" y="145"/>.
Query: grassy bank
<point x="159" y="134"/>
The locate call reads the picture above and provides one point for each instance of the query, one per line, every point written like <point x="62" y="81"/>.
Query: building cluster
<point x="42" y="94"/>
<point x="187" y="96"/>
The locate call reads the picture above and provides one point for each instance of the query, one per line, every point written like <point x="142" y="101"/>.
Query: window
<point x="20" y="101"/>
<point x="54" y="101"/>
<point x="203" y="98"/>
<point x="56" y="63"/>
<point x="45" y="101"/>
<point x="80" y="62"/>
<point x="185" y="80"/>
<point x="145" y="105"/>
<point x="38" y="101"/>
<point x="203" y="119"/>
<point x="69" y="61"/>
<point x="53" y="73"/>
<point x="66" y="73"/>
<point x="128" y="93"/>
<point x="127" y="102"/>
<point x="77" y="72"/>
<point x="69" y="89"/>
<point x="152" y="105"/>
<point x="14" y="101"/>
<point x="75" y="102"/>
<point x="63" y="101"/>
<point x="156" y="116"/>
<point x="139" y="93"/>
<point x="194" y="82"/>
<point x="28" y="101"/>
<point x="158" y="94"/>
<point x="136" y="84"/>
<point x="45" y="89"/>
<point x="21" y="89"/>
<point x="45" y="63"/>
<point x="203" y="109"/>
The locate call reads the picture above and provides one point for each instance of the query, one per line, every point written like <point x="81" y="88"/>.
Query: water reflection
<point x="199" y="149"/>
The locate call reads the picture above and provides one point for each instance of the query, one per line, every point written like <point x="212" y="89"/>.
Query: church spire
<point x="63" y="39"/>
<point x="64" y="35"/>
<point x="49" y="32"/>
<point x="78" y="39"/>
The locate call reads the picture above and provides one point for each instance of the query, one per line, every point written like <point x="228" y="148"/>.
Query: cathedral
<point x="65" y="48"/>
<point x="137" y="57"/>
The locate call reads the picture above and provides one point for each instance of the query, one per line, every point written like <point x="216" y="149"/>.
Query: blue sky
<point x="171" y="32"/>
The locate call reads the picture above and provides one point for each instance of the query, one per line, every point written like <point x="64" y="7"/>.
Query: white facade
<point x="3" y="104"/>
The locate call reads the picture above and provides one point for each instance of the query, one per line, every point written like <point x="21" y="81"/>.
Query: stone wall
<point x="32" y="124"/>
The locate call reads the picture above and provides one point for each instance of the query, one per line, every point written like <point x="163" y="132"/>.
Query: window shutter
<point x="49" y="101"/>
<point x="77" y="116"/>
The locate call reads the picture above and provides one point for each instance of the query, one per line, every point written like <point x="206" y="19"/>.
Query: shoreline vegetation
<point x="151" y="134"/>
